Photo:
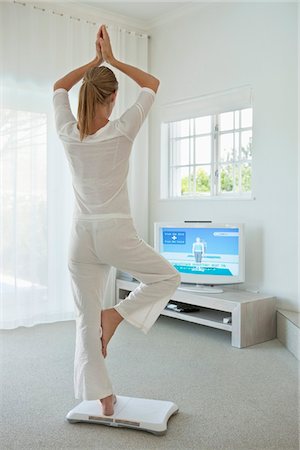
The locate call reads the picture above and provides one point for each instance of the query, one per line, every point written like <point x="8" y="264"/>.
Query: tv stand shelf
<point x="253" y="316"/>
<point x="209" y="317"/>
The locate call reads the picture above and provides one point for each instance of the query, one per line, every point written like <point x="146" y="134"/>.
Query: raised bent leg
<point x="159" y="279"/>
<point x="142" y="307"/>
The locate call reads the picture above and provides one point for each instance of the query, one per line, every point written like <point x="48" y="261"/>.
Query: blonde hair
<point x="97" y="85"/>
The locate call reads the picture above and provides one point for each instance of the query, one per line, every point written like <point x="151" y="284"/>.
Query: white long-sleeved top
<point x="99" y="164"/>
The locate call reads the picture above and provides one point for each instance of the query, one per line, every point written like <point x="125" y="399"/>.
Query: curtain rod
<point x="80" y="19"/>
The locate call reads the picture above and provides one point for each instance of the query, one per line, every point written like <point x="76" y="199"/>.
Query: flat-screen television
<point x="205" y="254"/>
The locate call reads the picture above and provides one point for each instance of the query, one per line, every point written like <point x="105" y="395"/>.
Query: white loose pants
<point x="96" y="245"/>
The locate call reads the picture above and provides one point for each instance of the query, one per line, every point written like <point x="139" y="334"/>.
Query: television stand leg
<point x="236" y="339"/>
<point x="253" y="323"/>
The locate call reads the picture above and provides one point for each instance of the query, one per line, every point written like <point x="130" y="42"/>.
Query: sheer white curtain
<point x="37" y="47"/>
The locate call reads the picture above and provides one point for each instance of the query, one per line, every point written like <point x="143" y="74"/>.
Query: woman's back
<point x="99" y="163"/>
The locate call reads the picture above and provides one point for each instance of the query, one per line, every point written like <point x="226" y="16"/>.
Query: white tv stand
<point x="252" y="316"/>
<point x="200" y="288"/>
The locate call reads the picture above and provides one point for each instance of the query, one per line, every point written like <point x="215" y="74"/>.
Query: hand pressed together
<point x="105" y="45"/>
<point x="99" y="55"/>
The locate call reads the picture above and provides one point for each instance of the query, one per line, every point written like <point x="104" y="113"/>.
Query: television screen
<point x="203" y="253"/>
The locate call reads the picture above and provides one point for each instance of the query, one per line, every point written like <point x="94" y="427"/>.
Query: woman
<point x="103" y="233"/>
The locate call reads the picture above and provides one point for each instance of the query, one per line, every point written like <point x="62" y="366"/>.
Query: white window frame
<point x="208" y="105"/>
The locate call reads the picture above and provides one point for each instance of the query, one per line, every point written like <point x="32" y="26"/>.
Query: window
<point x="210" y="155"/>
<point x="206" y="145"/>
<point x="23" y="211"/>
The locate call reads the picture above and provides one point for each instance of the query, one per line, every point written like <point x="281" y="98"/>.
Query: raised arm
<point x="143" y="79"/>
<point x="69" y="80"/>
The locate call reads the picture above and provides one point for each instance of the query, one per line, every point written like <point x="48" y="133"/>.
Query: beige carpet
<point x="228" y="398"/>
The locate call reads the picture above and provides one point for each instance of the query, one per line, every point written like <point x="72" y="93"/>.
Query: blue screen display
<point x="201" y="251"/>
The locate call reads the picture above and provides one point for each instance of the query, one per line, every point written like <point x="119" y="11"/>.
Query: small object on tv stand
<point x="227" y="319"/>
<point x="182" y="307"/>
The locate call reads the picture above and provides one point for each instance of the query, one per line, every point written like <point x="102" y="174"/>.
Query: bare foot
<point x="110" y="319"/>
<point x="107" y="404"/>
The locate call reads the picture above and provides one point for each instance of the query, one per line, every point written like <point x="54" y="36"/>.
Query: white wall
<point x="218" y="47"/>
<point x="298" y="153"/>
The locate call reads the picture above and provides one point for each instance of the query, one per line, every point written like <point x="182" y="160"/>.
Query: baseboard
<point x="288" y="330"/>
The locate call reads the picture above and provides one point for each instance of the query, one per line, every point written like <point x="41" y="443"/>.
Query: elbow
<point x="156" y="85"/>
<point x="59" y="85"/>
<point x="153" y="85"/>
<point x="151" y="82"/>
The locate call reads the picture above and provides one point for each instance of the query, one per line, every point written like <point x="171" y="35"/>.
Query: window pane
<point x="186" y="180"/>
<point x="237" y="119"/>
<point x="203" y="125"/>
<point x="182" y="181"/>
<point x="246" y="172"/>
<point x="226" y="147"/>
<point x="181" y="152"/>
<point x="23" y="162"/>
<point x="180" y="128"/>
<point x="203" y="150"/>
<point x="246" y="117"/>
<point x="203" y="176"/>
<point x="229" y="178"/>
<point x="226" y="121"/>
<point x="246" y="145"/>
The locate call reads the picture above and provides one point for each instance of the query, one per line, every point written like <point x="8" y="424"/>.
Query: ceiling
<point x="144" y="12"/>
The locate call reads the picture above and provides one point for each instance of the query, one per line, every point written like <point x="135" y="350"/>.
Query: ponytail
<point x="98" y="83"/>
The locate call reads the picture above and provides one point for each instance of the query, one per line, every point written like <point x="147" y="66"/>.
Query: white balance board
<point x="138" y="413"/>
